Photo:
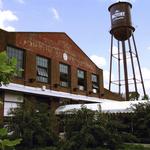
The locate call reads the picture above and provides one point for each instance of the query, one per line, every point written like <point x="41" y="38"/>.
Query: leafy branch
<point x="8" y="68"/>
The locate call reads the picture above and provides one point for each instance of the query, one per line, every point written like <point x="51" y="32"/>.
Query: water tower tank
<point x="121" y="25"/>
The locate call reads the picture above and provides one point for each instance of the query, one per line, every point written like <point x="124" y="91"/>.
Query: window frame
<point x="46" y="68"/>
<point x="22" y="72"/>
<point x="66" y="75"/>
<point x="95" y="83"/>
<point x="80" y="79"/>
<point x="12" y="104"/>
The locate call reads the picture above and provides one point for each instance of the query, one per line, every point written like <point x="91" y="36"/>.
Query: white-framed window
<point x="81" y="75"/>
<point x="95" y="85"/>
<point x="11" y="101"/>
<point x="42" y="69"/>
<point x="64" y="75"/>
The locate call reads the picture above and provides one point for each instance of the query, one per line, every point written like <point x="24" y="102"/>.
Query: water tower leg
<point x="133" y="69"/>
<point x="125" y="70"/>
<point x="110" y="71"/>
<point x="139" y="65"/>
<point x="119" y="68"/>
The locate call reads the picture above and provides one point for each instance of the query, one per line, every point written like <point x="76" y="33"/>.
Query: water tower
<point x="128" y="65"/>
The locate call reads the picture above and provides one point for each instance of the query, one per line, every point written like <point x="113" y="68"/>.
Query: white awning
<point x="107" y="107"/>
<point x="48" y="92"/>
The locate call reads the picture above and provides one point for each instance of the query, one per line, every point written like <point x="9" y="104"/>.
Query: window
<point x="42" y="69"/>
<point x="19" y="55"/>
<point x="95" y="85"/>
<point x="11" y="101"/>
<point x="64" y="75"/>
<point x="81" y="80"/>
<point x="8" y="106"/>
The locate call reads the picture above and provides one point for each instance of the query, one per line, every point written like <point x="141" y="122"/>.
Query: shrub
<point x="33" y="122"/>
<point x="88" y="130"/>
<point x="5" y="142"/>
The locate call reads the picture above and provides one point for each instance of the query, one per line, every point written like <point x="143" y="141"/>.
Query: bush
<point x="88" y="130"/>
<point x="41" y="148"/>
<point x="84" y="129"/>
<point x="135" y="147"/>
<point x="5" y="142"/>
<point x="141" y="122"/>
<point x="34" y="123"/>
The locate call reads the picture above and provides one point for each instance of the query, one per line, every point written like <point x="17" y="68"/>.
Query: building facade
<point x="55" y="70"/>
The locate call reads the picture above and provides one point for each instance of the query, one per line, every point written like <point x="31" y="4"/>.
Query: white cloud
<point x="106" y="75"/>
<point x="115" y="53"/>
<point x="146" y="73"/>
<point x="55" y="14"/>
<point x="115" y="49"/>
<point x="146" y="78"/>
<point x="7" y="16"/>
<point x="9" y="28"/>
<point x="99" y="61"/>
<point x="106" y="78"/>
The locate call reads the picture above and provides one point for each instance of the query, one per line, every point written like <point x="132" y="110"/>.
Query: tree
<point x="141" y="122"/>
<point x="35" y="124"/>
<point x="145" y="97"/>
<point x="7" y="68"/>
<point x="7" y="71"/>
<point x="134" y="96"/>
<point x="89" y="130"/>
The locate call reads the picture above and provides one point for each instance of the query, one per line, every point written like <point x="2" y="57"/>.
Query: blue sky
<point x="87" y="22"/>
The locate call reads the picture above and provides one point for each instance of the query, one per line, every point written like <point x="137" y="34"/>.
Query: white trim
<point x="48" y="92"/>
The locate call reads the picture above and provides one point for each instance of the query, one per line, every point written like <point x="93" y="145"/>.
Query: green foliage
<point x="5" y="142"/>
<point x="145" y="97"/>
<point x="3" y="132"/>
<point x="135" y="147"/>
<point x="134" y="96"/>
<point x="135" y="126"/>
<point x="46" y="148"/>
<point x="123" y="123"/>
<point x="7" y="68"/>
<point x="141" y="122"/>
<point x="7" y="71"/>
<point x="35" y="124"/>
<point x="88" y="130"/>
<point x="39" y="148"/>
<point x="84" y="129"/>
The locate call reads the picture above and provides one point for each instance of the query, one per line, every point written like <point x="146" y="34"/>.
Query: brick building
<point x="55" y="70"/>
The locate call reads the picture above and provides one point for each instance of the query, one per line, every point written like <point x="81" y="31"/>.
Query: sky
<point x="87" y="22"/>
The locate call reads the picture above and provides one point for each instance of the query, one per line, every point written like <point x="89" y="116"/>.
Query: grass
<point x="135" y="147"/>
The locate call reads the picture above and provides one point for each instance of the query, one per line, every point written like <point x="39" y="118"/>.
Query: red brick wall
<point x="52" y="46"/>
<point x="111" y="95"/>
